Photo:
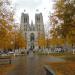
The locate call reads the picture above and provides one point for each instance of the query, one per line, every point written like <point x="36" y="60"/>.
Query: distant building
<point x="31" y="32"/>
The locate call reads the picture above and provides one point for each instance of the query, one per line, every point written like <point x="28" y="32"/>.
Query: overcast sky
<point x="44" y="6"/>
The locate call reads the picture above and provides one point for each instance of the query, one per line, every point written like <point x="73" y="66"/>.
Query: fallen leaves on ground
<point x="4" y="69"/>
<point x="63" y="68"/>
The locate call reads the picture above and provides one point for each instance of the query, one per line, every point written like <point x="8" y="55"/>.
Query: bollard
<point x="9" y="60"/>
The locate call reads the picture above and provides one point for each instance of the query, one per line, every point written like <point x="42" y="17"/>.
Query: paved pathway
<point x="31" y="65"/>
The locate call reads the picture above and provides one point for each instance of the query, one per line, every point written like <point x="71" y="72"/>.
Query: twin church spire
<point x="32" y="32"/>
<point x="25" y="22"/>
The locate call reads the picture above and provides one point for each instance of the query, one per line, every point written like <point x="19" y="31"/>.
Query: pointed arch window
<point x="25" y="20"/>
<point x="38" y="19"/>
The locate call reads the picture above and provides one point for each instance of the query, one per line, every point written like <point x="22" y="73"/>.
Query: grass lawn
<point x="64" y="68"/>
<point x="70" y="58"/>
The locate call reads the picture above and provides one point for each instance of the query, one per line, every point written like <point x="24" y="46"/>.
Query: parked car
<point x="4" y="54"/>
<point x="59" y="49"/>
<point x="11" y="53"/>
<point x="22" y="53"/>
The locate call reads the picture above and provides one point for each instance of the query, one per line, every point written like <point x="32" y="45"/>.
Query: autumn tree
<point x="6" y="22"/>
<point x="9" y="37"/>
<point x="63" y="20"/>
<point x="41" y="41"/>
<point x="20" y="41"/>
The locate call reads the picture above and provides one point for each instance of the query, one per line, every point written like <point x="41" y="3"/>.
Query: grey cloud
<point x="28" y="3"/>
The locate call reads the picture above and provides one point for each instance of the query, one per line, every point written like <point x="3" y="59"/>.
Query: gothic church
<point x="32" y="32"/>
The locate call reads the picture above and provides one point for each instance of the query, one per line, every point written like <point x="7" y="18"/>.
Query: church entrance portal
<point x="32" y="40"/>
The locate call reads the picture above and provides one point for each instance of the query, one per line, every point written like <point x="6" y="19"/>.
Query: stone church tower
<point x="31" y="32"/>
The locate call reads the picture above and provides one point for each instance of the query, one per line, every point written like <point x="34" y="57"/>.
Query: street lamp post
<point x="47" y="42"/>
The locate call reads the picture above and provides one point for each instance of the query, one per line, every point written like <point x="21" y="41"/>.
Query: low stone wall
<point x="5" y="60"/>
<point x="48" y="70"/>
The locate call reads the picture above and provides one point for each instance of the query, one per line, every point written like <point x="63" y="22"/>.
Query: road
<point x="31" y="65"/>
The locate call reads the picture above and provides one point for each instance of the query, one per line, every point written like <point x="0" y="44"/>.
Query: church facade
<point x="32" y="32"/>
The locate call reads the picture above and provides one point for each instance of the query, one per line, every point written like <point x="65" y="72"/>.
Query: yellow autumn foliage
<point x="41" y="41"/>
<point x="20" y="41"/>
<point x="56" y="42"/>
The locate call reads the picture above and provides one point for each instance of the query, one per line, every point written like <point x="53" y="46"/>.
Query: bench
<point x="5" y="59"/>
